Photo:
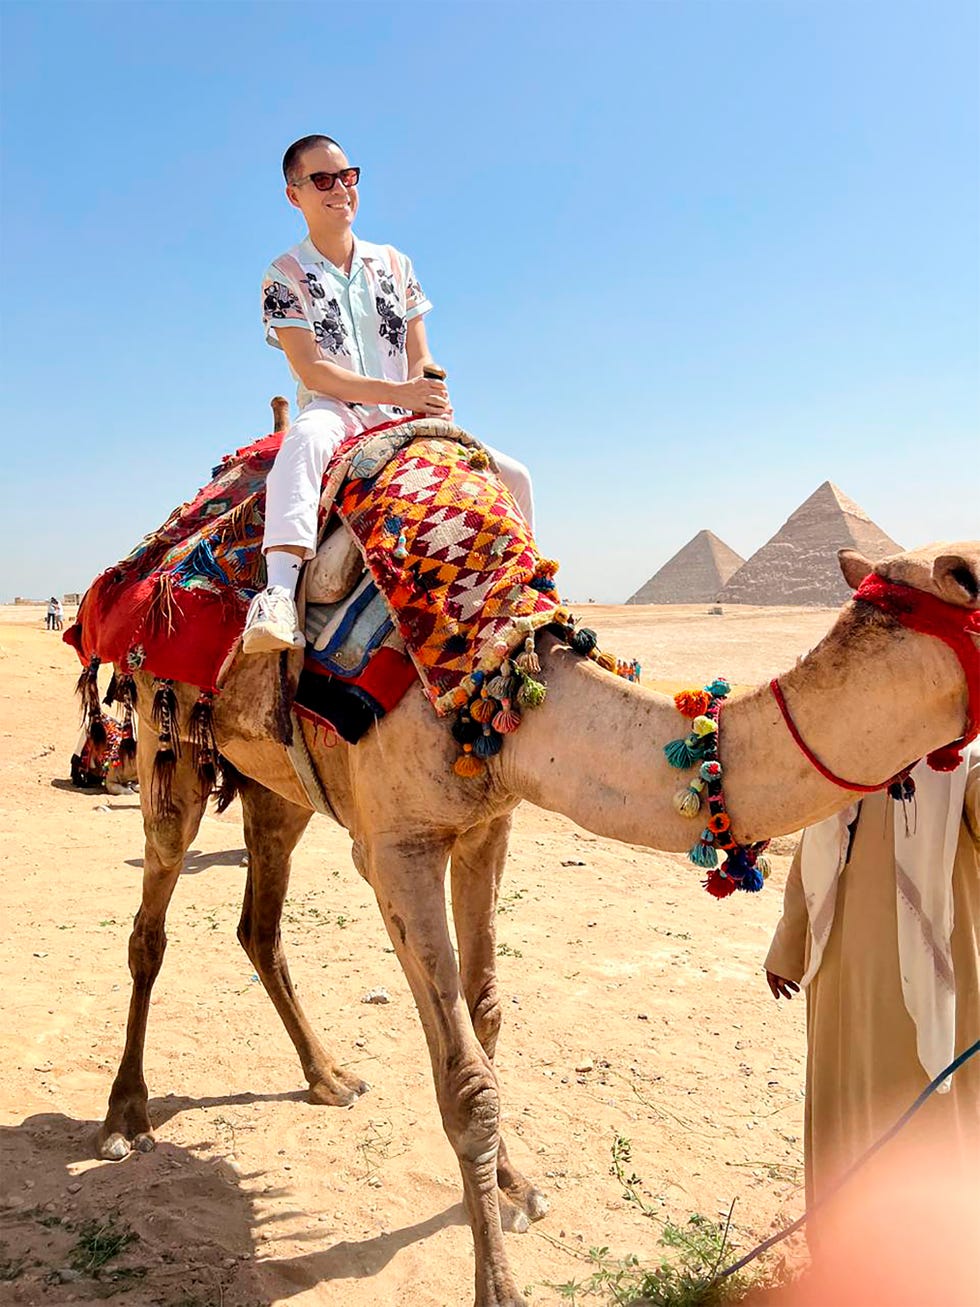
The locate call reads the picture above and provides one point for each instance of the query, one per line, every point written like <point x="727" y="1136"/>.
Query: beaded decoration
<point x="745" y="866"/>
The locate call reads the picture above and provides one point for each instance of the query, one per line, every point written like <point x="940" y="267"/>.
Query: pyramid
<point x="799" y="564"/>
<point x="694" y="575"/>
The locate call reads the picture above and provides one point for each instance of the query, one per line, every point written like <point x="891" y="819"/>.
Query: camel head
<point x="949" y="571"/>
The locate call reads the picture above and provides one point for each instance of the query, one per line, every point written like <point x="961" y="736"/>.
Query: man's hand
<point x="780" y="986"/>
<point x="423" y="395"/>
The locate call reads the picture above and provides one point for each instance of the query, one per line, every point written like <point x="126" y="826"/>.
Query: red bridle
<point x="922" y="612"/>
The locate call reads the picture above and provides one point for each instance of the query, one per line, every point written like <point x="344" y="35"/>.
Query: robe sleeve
<point x="787" y="952"/>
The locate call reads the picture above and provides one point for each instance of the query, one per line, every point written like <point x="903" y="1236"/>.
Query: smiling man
<point x="349" y="317"/>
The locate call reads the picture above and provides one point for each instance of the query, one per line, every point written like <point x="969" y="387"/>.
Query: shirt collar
<point x="307" y="252"/>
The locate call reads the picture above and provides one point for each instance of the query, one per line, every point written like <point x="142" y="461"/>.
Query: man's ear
<point x="956" y="579"/>
<point x="291" y="197"/>
<point x="854" y="566"/>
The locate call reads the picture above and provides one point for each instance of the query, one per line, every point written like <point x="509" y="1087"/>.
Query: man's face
<point x="332" y="210"/>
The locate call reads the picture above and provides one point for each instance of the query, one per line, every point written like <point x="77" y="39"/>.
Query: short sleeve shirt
<point x="359" y="320"/>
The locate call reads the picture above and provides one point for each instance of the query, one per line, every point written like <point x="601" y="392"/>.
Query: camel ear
<point x="956" y="579"/>
<point x="854" y="566"/>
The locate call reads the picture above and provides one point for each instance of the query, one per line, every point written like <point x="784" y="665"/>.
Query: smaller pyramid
<point x="798" y="566"/>
<point x="694" y="575"/>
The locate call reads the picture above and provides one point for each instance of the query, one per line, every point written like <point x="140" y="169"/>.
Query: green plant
<point x="98" y="1242"/>
<point x="687" y="1276"/>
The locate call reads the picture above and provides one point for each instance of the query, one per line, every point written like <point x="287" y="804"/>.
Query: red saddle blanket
<point x="441" y="534"/>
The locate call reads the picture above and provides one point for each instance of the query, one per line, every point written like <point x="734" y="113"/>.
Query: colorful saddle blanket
<point x="442" y="537"/>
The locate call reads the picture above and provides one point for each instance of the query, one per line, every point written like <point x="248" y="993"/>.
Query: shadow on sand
<point x="195" y="1215"/>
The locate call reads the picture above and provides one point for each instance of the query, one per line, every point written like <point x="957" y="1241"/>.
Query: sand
<point x="635" y="1007"/>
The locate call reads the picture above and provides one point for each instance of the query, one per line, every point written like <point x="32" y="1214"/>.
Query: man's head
<point x="307" y="165"/>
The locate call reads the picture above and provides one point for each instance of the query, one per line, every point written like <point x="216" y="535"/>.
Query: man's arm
<point x="324" y="378"/>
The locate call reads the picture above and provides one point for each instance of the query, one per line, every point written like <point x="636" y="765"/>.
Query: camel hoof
<point x="144" y="1143"/>
<point x="340" y="1090"/>
<point x="114" y="1148"/>
<point x="536" y="1205"/>
<point x="512" y="1219"/>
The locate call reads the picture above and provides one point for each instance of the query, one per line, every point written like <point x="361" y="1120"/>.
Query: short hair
<point x="291" y="158"/>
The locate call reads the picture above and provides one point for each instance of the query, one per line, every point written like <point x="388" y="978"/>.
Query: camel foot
<point x="337" y="1088"/>
<point x="528" y="1200"/>
<point x="115" y="1147"/>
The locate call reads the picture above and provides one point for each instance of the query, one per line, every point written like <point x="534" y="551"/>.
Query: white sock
<point x="282" y="569"/>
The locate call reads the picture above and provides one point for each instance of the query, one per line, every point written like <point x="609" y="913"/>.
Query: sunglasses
<point x="324" y="181"/>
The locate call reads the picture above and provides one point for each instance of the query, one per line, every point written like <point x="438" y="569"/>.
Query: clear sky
<point x="689" y="258"/>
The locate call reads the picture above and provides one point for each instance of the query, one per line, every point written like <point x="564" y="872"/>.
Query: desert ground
<point x="635" y="1008"/>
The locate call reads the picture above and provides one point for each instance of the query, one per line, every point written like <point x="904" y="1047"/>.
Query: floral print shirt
<point x="359" y="320"/>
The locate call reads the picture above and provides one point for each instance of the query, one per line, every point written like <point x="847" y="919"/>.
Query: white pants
<point x="293" y="486"/>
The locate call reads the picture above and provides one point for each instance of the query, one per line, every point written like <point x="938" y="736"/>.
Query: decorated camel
<point x="877" y="693"/>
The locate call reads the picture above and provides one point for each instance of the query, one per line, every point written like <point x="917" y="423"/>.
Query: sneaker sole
<point x="259" y="641"/>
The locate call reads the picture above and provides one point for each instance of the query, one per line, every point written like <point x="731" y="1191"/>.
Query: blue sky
<point x="689" y="259"/>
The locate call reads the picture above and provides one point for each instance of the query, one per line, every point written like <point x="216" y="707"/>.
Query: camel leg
<point x="477" y="867"/>
<point x="272" y="829"/>
<point x="407" y="875"/>
<point x="127" y="1123"/>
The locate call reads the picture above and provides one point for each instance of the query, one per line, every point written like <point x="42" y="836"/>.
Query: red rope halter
<point x="921" y="612"/>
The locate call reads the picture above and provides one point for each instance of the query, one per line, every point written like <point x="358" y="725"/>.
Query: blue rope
<point x="865" y="1156"/>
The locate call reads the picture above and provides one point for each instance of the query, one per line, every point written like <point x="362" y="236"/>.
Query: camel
<point x="871" y="698"/>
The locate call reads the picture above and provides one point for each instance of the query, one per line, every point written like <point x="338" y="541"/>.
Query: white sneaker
<point x="271" y="623"/>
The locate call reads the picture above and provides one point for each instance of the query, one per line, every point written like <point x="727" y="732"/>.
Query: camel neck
<point x="594" y="751"/>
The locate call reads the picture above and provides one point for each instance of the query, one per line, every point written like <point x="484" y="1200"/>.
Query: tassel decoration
<point x="204" y="747"/>
<point x="528" y="661"/>
<point x="488" y="744"/>
<point x="718" y="885"/>
<point x="467" y="764"/>
<point x="687" y="802"/>
<point x="483" y="710"/>
<point x="531" y="693"/>
<point x="678" y="754"/>
<point x="507" y="720"/>
<point x="703" y="855"/>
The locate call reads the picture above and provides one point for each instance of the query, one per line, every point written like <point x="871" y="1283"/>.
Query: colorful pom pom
<point x="752" y="880"/>
<point x="692" y="703"/>
<point x="479" y="460"/>
<point x="583" y="641"/>
<point x="718" y="823"/>
<point x="764" y="865"/>
<point x="711" y="770"/>
<point x="704" y="726"/>
<point x="719" y="688"/>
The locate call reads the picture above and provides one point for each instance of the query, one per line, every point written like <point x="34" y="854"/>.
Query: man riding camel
<point x="349" y="316"/>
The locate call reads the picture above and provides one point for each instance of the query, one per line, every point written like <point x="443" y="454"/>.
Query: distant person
<point x="59" y="615"/>
<point x="349" y="317"/>
<point x="881" y="927"/>
<point x="51" y="621"/>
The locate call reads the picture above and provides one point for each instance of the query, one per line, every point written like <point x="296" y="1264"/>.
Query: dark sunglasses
<point x="324" y="181"/>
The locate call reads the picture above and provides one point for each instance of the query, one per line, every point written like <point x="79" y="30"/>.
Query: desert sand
<point x="635" y="1007"/>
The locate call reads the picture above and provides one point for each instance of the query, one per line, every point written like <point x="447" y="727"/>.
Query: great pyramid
<point x="799" y="564"/>
<point x="694" y="575"/>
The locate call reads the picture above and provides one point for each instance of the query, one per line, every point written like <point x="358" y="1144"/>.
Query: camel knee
<point x="470" y="1105"/>
<point x="166" y="839"/>
<point x="147" y="945"/>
